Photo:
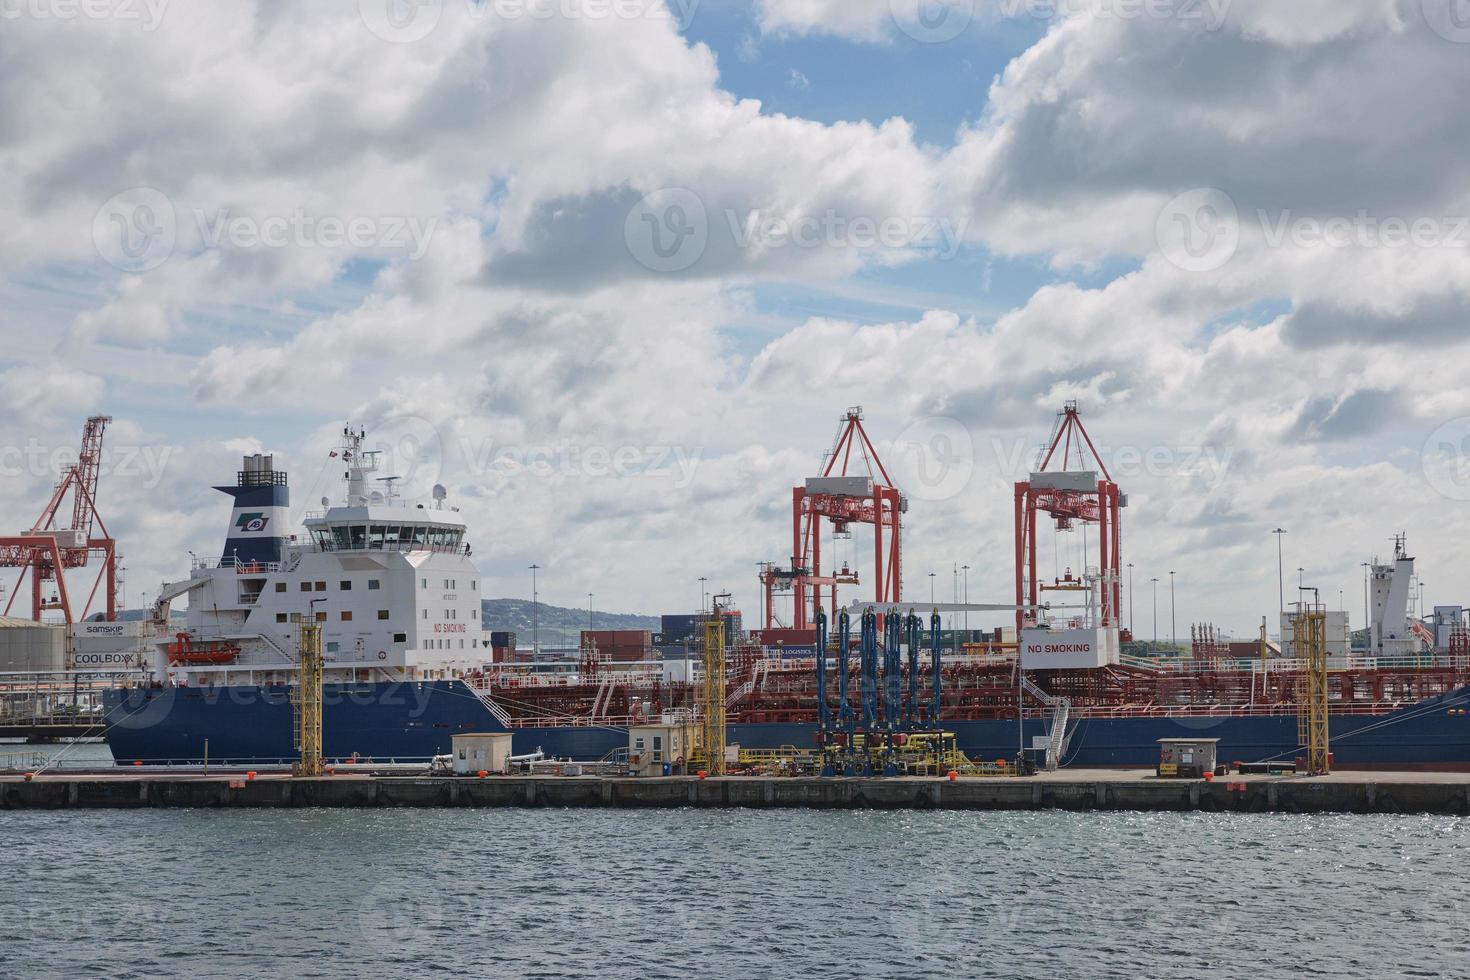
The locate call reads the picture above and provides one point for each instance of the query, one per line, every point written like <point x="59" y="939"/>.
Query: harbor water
<point x="730" y="893"/>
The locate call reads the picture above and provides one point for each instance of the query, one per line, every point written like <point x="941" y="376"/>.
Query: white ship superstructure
<point x="391" y="583"/>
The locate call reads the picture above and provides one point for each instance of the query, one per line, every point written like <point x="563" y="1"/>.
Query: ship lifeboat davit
<point x="187" y="650"/>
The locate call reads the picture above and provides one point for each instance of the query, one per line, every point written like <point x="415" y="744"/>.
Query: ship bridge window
<point x="419" y="539"/>
<point x="391" y="534"/>
<point x="341" y="537"/>
<point x="358" y="536"/>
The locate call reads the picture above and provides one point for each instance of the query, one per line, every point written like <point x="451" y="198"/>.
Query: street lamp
<point x="931" y="588"/>
<point x="535" y="622"/>
<point x="1155" y="581"/>
<point x="1173" y="629"/>
<point x="589" y="610"/>
<point x="1367" y="617"/>
<point x="702" y="580"/>
<point x="966" y="570"/>
<point x="1130" y="597"/>
<point x="1280" y="581"/>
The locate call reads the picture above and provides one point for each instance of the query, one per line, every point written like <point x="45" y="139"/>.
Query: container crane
<point x="1070" y="484"/>
<point x="844" y="496"/>
<point x="47" y="551"/>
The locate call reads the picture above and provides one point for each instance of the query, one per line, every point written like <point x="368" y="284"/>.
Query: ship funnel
<point x="257" y="531"/>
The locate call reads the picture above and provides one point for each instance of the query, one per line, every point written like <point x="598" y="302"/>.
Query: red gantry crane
<point x="843" y="496"/>
<point x="1070" y="484"/>
<point x="47" y="551"/>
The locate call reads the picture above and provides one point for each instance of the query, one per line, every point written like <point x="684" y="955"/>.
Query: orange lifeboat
<point x="187" y="650"/>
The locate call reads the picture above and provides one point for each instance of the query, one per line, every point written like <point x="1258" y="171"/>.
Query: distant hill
<point x="559" y="626"/>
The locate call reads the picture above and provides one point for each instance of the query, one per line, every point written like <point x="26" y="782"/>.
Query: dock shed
<point x="1186" y="758"/>
<point x="487" y="752"/>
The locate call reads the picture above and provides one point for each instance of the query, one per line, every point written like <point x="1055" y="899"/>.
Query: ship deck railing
<point x="241" y="566"/>
<point x="576" y="721"/>
<point x="1224" y="710"/>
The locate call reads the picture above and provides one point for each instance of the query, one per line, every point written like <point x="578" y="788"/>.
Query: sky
<point x="612" y="271"/>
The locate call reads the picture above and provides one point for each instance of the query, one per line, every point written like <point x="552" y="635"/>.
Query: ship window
<point x="382" y="614"/>
<point x="373" y="584"/>
<point x="321" y="586"/>
<point x="346" y="615"/>
<point x="305" y="586"/>
<point x="332" y="647"/>
<point x="280" y="617"/>
<point x="321" y="617"/>
<point x="359" y="537"/>
<point x="280" y="586"/>
<point x="420" y="536"/>
<point x="346" y="585"/>
<point x="341" y="538"/>
<point x="375" y="537"/>
<point x="400" y="637"/>
<point x="472" y="585"/>
<point x="390" y="536"/>
<point x="426" y="614"/>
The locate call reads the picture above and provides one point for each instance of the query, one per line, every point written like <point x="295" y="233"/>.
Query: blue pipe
<point x="869" y="652"/>
<point x="893" y="671"/>
<point x="844" y="651"/>
<point x="914" y="624"/>
<point x="935" y="664"/>
<point x="824" y="712"/>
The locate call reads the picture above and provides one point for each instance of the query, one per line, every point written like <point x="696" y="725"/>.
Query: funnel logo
<point x="252" y="523"/>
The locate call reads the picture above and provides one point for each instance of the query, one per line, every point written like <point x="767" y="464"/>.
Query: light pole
<point x="535" y="621"/>
<point x="1155" y="581"/>
<point x="1367" y="616"/>
<point x="1173" y="628"/>
<point x="589" y="610"/>
<point x="702" y="580"/>
<point x="931" y="588"/>
<point x="1130" y="597"/>
<point x="1280" y="580"/>
<point x="1299" y="580"/>
<point x="966" y="570"/>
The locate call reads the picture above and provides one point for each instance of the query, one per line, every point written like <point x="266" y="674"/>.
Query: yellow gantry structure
<point x="306" y="700"/>
<point x="1309" y="641"/>
<point x="712" y="694"/>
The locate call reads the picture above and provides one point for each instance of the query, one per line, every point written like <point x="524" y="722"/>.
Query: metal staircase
<point x="1061" y="710"/>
